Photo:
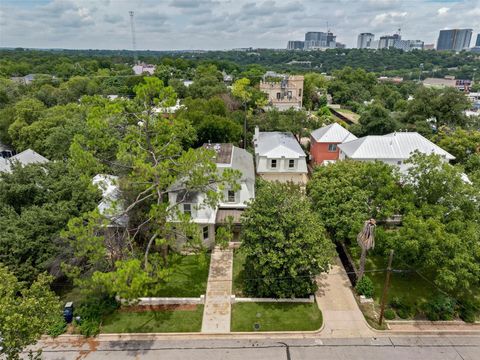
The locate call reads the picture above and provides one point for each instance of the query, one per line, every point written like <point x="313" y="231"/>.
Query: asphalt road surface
<point x="385" y="348"/>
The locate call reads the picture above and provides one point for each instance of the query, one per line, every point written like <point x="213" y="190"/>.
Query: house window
<point x="399" y="162"/>
<point x="289" y="94"/>
<point x="231" y="196"/>
<point x="279" y="95"/>
<point x="299" y="92"/>
<point x="332" y="147"/>
<point x="187" y="209"/>
<point x="291" y="164"/>
<point x="273" y="163"/>
<point x="205" y="232"/>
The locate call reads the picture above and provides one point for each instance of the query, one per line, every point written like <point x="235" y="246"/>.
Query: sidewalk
<point x="341" y="315"/>
<point x="432" y="326"/>
<point x="217" y="312"/>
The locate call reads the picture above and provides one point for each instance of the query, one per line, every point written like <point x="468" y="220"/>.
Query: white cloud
<point x="220" y="24"/>
<point x="389" y="18"/>
<point x="443" y="11"/>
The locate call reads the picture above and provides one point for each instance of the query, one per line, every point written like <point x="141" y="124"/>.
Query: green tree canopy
<point x="284" y="242"/>
<point x="36" y="202"/>
<point x="346" y="193"/>
<point x="26" y="313"/>
<point x="376" y="120"/>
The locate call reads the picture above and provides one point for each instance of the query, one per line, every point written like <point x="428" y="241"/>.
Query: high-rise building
<point x="388" y="41"/>
<point x="365" y="40"/>
<point x="320" y="40"/>
<point x="477" y="43"/>
<point x="408" y="45"/>
<point x="295" y="45"/>
<point x="455" y="39"/>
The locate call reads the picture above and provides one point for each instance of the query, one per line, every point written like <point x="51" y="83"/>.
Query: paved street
<point x="388" y="348"/>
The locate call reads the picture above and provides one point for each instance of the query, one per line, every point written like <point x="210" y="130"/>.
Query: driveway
<point x="341" y="315"/>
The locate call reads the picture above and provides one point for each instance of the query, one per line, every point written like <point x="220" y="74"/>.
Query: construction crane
<point x="134" y="43"/>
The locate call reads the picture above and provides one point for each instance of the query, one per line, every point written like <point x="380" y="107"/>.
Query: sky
<point x="222" y="24"/>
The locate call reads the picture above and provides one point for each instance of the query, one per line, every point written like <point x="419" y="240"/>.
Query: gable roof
<point x="111" y="205"/>
<point x="391" y="146"/>
<point x="333" y="133"/>
<point x="228" y="157"/>
<point x="278" y="144"/>
<point x="24" y="158"/>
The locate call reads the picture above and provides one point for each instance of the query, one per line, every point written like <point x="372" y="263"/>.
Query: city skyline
<point x="222" y="24"/>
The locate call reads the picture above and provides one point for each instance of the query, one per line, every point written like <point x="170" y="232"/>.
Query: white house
<point x="142" y="68"/>
<point x="24" y="158"/>
<point x="392" y="149"/>
<point x="233" y="203"/>
<point x="279" y="157"/>
<point x="111" y="205"/>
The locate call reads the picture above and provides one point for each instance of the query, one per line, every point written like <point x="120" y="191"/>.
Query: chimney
<point x="257" y="132"/>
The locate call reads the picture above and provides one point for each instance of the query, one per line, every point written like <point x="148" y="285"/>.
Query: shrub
<point x="365" y="287"/>
<point x="403" y="309"/>
<point x="389" y="314"/>
<point x="440" y="307"/>
<point x="396" y="302"/>
<point x="468" y="310"/>
<point x="58" y="328"/>
<point x="91" y="313"/>
<point x="405" y="312"/>
<point x="89" y="327"/>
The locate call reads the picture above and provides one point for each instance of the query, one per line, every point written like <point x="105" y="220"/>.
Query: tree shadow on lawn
<point x="188" y="278"/>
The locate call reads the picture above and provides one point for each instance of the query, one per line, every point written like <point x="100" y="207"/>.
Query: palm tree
<point x="366" y="240"/>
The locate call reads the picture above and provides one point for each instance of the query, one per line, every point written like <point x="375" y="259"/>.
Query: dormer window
<point x="231" y="196"/>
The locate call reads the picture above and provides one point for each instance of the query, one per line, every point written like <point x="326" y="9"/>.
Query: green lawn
<point x="410" y="287"/>
<point x="153" y="321"/>
<point x="276" y="317"/>
<point x="238" y="263"/>
<point x="188" y="278"/>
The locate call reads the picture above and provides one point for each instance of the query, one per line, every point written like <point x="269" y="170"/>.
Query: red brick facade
<point x="320" y="152"/>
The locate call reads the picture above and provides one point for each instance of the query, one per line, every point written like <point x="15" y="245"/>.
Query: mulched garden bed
<point x="144" y="308"/>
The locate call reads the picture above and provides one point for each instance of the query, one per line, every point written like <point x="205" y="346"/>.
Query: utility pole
<point x="385" y="288"/>
<point x="245" y="127"/>
<point x="134" y="43"/>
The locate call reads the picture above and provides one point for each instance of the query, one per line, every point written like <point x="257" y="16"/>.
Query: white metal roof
<point x="333" y="133"/>
<point x="24" y="158"/>
<point x="111" y="205"/>
<point x="277" y="145"/>
<point x="398" y="145"/>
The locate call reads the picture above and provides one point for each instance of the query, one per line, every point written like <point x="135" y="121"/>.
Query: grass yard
<point x="188" y="278"/>
<point x="276" y="317"/>
<point x="410" y="287"/>
<point x="238" y="273"/>
<point x="154" y="321"/>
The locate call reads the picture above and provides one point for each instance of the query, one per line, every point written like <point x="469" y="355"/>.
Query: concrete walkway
<point x="341" y="315"/>
<point x="217" y="312"/>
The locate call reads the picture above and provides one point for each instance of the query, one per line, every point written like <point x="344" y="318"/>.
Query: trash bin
<point x="68" y="312"/>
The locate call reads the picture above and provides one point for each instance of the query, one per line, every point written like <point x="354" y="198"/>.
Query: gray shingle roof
<point x="24" y="158"/>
